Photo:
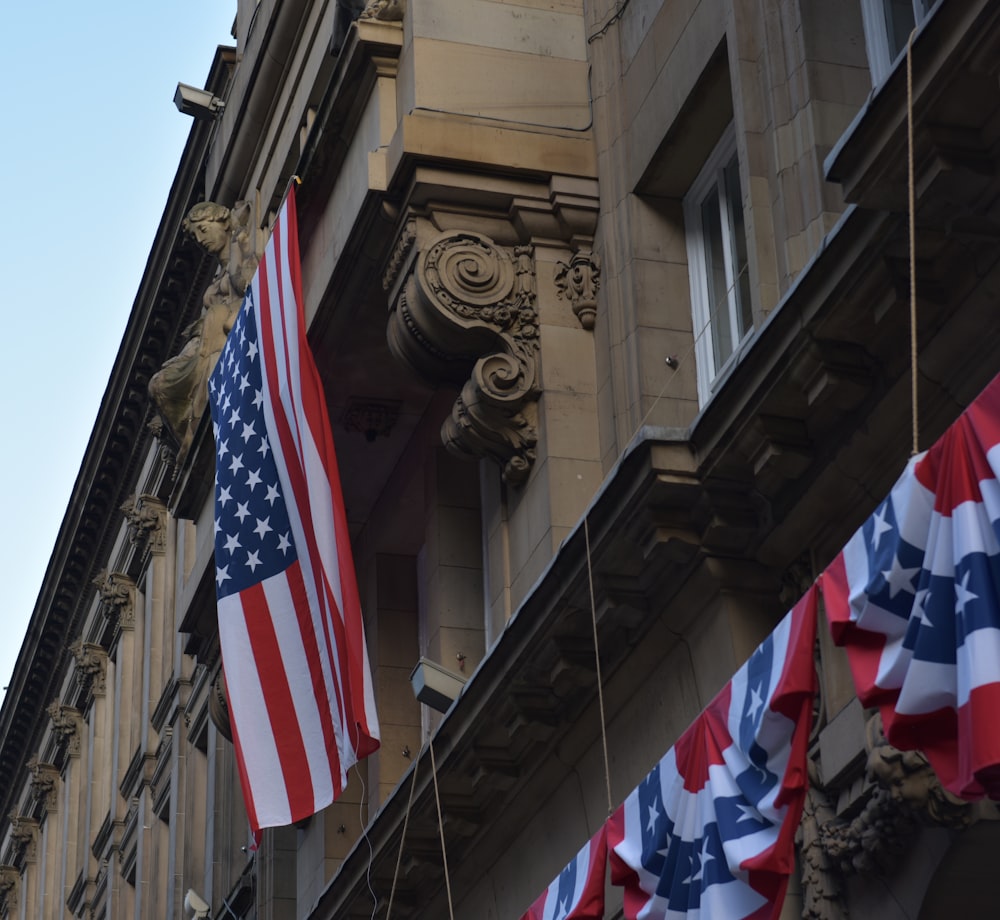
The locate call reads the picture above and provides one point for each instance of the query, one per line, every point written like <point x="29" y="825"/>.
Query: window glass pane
<point x="715" y="269"/>
<point x="899" y="24"/>
<point x="741" y="287"/>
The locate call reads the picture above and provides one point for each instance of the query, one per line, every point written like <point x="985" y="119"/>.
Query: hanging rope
<point x="364" y="832"/>
<point x="444" y="853"/>
<point x="911" y="206"/>
<point x="402" y="838"/>
<point x="597" y="660"/>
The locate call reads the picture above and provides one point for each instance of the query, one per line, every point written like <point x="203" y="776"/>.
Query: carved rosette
<point x="118" y="595"/>
<point x="44" y="784"/>
<point x="147" y="522"/>
<point x="91" y="667"/>
<point x="10" y="889"/>
<point x="466" y="312"/>
<point x="66" y="724"/>
<point x="578" y="281"/>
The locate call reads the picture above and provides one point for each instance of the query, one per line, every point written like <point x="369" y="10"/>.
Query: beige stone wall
<point x="666" y="80"/>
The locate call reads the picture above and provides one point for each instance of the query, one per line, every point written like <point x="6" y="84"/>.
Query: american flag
<point x="914" y="597"/>
<point x="290" y="626"/>
<point x="577" y="893"/>
<point x="709" y="833"/>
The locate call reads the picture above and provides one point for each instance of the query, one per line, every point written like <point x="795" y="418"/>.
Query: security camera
<point x="199" y="103"/>
<point x="195" y="904"/>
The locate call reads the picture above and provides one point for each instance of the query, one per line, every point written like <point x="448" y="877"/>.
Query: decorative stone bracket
<point x="44" y="784"/>
<point x="66" y="726"/>
<point x="10" y="885"/>
<point x="578" y="281"/>
<point x="118" y="596"/>
<point x="903" y="793"/>
<point x="91" y="668"/>
<point x="147" y="522"/>
<point x="24" y="836"/>
<point x="463" y="309"/>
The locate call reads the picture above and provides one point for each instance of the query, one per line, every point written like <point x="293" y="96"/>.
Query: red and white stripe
<point x="304" y="713"/>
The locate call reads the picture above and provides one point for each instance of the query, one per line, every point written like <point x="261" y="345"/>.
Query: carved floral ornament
<point x="903" y="794"/>
<point x="465" y="311"/>
<point x="578" y="281"/>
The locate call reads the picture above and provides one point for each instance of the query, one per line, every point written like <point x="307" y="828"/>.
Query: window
<point x="717" y="262"/>
<point x="888" y="24"/>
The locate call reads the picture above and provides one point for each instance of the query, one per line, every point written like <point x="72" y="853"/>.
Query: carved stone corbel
<point x="218" y="706"/>
<point x="91" y="667"/>
<point x="147" y="522"/>
<point x="24" y="837"/>
<point x="10" y="890"/>
<point x="464" y="313"/>
<point x="44" y="784"/>
<point x="904" y="793"/>
<point x="118" y="596"/>
<point x="578" y="281"/>
<point x="384" y="10"/>
<point x="66" y="725"/>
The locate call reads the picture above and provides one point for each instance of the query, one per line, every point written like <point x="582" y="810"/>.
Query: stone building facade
<point x="610" y="299"/>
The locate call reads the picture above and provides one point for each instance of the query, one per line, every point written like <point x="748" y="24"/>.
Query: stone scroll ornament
<point x="466" y="315"/>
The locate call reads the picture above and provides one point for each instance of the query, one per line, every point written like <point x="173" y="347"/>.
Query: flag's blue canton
<point x="252" y="533"/>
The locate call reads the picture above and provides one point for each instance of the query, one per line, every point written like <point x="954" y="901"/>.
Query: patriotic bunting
<point x="914" y="597"/>
<point x="577" y="893"/>
<point x="709" y="833"/>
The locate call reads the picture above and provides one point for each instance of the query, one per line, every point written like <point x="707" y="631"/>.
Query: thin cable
<point x="364" y="833"/>
<point x="444" y="853"/>
<point x="402" y="838"/>
<point x="602" y="31"/>
<point x="911" y="202"/>
<point x="597" y="660"/>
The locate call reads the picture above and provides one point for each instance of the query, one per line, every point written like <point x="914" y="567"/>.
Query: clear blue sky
<point x="89" y="144"/>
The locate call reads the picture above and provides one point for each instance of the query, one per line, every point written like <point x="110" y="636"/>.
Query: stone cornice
<point x="648" y="528"/>
<point x="163" y="306"/>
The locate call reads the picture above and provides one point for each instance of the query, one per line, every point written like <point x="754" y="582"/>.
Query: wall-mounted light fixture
<point x="434" y="685"/>
<point x="195" y="904"/>
<point x="199" y="103"/>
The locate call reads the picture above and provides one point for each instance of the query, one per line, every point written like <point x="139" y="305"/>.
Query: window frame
<point x="876" y="27"/>
<point x="712" y="178"/>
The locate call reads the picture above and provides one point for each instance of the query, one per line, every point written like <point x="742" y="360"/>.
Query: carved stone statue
<point x="180" y="388"/>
